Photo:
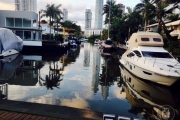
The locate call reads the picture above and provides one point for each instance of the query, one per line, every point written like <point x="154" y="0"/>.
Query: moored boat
<point x="10" y="43"/>
<point x="147" y="59"/>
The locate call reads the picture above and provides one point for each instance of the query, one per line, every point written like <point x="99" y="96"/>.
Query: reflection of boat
<point x="147" y="96"/>
<point x="9" y="65"/>
<point x="10" y="43"/>
<point x="146" y="58"/>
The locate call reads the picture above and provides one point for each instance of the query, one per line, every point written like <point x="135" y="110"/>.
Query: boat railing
<point x="156" y="61"/>
<point x="3" y="91"/>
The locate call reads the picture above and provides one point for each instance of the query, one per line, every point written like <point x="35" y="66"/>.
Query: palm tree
<point x="146" y="9"/>
<point x="52" y="12"/>
<point x="107" y="9"/>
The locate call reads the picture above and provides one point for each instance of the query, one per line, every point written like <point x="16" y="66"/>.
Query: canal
<point x="84" y="78"/>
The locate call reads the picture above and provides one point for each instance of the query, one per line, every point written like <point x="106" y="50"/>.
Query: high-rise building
<point x="65" y="12"/>
<point x="26" y="5"/>
<point x="88" y="18"/>
<point x="98" y="15"/>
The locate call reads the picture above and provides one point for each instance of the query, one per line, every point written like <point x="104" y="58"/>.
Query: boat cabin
<point x="145" y="39"/>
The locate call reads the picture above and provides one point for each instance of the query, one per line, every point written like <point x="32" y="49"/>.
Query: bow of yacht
<point x="147" y="59"/>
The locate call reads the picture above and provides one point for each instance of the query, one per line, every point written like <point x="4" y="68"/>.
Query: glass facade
<point x="18" y="22"/>
<point x="10" y="22"/>
<point x="26" y="22"/>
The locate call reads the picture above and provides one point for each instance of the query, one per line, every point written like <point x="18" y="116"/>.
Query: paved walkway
<point x="14" y="110"/>
<point x="8" y="115"/>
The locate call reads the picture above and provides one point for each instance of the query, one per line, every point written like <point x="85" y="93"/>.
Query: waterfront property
<point x="22" y="23"/>
<point x="174" y="26"/>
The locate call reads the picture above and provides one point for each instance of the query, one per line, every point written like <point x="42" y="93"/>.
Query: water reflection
<point x="95" y="69"/>
<point x="86" y="55"/>
<point x="8" y="66"/>
<point x="110" y="72"/>
<point x="54" y="77"/>
<point x="27" y="73"/>
<point x="147" y="98"/>
<point x="60" y="79"/>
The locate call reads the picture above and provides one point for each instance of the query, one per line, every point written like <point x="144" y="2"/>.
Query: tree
<point x="72" y="27"/>
<point x="52" y="12"/>
<point x="146" y="9"/>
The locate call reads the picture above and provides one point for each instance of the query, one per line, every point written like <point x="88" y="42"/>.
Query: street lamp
<point x="39" y="20"/>
<point x="109" y="17"/>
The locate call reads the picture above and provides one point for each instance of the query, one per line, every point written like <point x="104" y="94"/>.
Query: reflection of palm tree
<point x="54" y="77"/>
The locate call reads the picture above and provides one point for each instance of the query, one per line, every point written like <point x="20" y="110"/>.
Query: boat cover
<point x="9" y="40"/>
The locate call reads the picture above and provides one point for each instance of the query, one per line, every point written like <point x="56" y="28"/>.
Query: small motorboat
<point x="108" y="44"/>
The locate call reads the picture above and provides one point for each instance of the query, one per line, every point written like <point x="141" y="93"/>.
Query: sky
<point x="76" y="8"/>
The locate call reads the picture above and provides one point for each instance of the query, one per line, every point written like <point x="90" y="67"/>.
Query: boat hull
<point x="148" y="75"/>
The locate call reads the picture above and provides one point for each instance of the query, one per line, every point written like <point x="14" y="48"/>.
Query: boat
<point x="148" y="96"/>
<point x="96" y="42"/>
<point x="147" y="59"/>
<point x="108" y="44"/>
<point x="10" y="43"/>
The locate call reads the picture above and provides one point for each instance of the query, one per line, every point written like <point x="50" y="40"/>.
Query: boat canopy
<point x="9" y="40"/>
<point x="145" y="39"/>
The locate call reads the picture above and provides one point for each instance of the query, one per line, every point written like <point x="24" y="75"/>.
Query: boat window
<point x="137" y="53"/>
<point x="156" y="39"/>
<point x="156" y="54"/>
<point x="144" y="39"/>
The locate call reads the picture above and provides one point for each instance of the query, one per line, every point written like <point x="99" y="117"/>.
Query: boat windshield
<point x="156" y="54"/>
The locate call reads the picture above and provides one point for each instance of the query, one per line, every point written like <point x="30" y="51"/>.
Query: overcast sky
<point x="76" y="8"/>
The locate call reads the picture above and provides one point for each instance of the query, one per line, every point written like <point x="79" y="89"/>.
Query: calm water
<point x="84" y="78"/>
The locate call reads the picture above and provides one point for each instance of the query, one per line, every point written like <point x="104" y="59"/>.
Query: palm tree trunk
<point x="50" y="28"/>
<point x="145" y="23"/>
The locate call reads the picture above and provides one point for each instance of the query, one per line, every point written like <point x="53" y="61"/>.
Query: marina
<point x="84" y="78"/>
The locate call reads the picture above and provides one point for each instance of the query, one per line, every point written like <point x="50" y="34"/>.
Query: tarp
<point x="9" y="40"/>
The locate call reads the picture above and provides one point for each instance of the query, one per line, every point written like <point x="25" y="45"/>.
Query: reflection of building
<point x="65" y="12"/>
<point x="98" y="15"/>
<point x="88" y="18"/>
<point x="86" y="55"/>
<point x="96" y="69"/>
<point x="105" y="92"/>
<point x="27" y="73"/>
<point x="26" y="5"/>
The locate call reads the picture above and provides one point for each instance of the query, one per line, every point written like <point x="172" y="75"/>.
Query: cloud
<point x="76" y="103"/>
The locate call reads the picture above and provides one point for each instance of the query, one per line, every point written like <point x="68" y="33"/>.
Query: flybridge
<point x="145" y="39"/>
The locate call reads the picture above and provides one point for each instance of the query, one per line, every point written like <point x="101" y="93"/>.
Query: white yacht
<point x="147" y="59"/>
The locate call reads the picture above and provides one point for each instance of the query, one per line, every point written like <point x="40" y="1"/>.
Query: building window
<point x="9" y="22"/>
<point x="34" y="23"/>
<point x="26" y="22"/>
<point x="20" y="34"/>
<point x="27" y="35"/>
<point x="18" y="22"/>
